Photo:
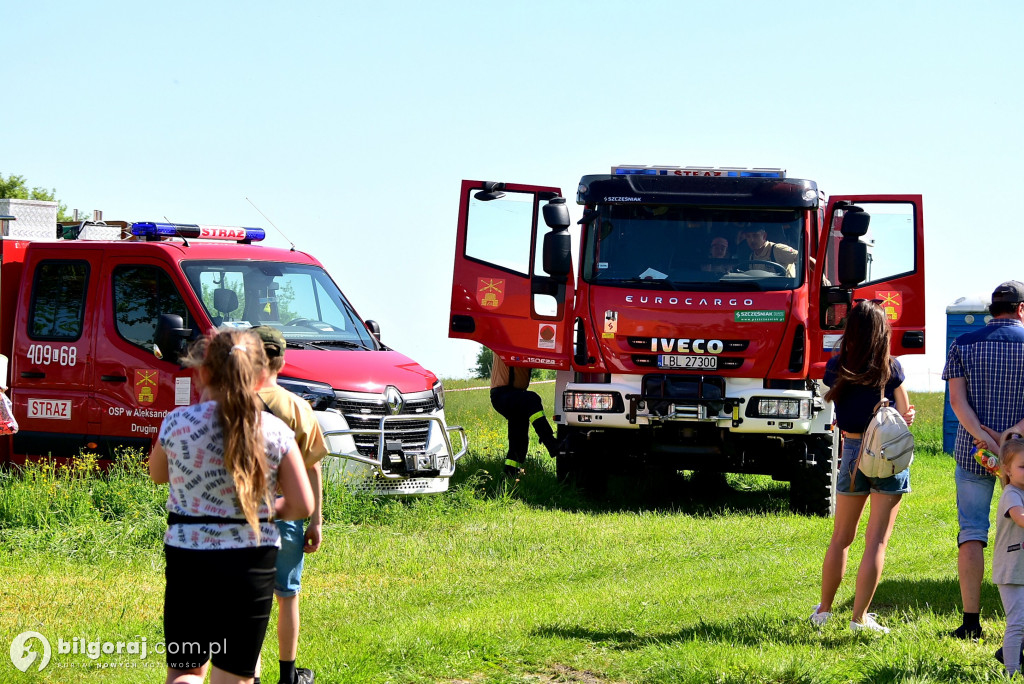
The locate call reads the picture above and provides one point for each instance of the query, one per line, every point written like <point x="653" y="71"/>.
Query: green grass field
<point x="532" y="583"/>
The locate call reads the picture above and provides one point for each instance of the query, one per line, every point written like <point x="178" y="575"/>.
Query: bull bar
<point x="382" y="449"/>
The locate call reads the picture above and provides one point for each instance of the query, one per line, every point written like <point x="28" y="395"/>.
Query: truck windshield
<point x="695" y="249"/>
<point x="300" y="300"/>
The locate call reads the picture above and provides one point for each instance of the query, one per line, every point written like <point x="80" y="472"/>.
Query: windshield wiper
<point x="639" y="281"/>
<point x="348" y="344"/>
<point x="297" y="344"/>
<point x="742" y="285"/>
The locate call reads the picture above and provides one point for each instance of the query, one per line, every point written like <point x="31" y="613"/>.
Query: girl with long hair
<point x="857" y="377"/>
<point x="224" y="459"/>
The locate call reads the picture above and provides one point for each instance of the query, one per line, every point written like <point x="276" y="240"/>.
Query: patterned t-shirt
<point x="200" y="485"/>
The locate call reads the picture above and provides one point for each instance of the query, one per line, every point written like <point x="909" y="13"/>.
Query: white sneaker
<point x="819" y="618"/>
<point x="868" y="625"/>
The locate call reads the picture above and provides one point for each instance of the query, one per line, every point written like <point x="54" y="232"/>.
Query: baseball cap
<point x="273" y="341"/>
<point x="1010" y="292"/>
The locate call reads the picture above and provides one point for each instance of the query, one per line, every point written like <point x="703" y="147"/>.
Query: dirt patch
<point x="559" y="674"/>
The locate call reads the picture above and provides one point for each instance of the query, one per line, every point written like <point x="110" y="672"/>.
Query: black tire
<point x="812" y="488"/>
<point x="582" y="462"/>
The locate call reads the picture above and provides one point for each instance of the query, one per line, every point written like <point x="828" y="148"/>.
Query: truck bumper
<point x="736" y="405"/>
<point x="394" y="471"/>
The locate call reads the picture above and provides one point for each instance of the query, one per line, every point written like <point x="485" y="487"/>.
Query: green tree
<point x="484" y="358"/>
<point x="15" y="187"/>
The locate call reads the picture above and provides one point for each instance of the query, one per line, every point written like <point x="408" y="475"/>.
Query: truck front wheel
<point x="812" y="487"/>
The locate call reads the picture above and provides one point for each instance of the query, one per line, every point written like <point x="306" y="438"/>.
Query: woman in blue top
<point x="856" y="377"/>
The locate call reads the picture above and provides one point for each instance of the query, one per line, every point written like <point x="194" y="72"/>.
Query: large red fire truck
<point x="94" y="329"/>
<point x="695" y="332"/>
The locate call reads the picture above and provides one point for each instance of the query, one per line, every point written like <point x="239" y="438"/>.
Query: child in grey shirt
<point x="1008" y="557"/>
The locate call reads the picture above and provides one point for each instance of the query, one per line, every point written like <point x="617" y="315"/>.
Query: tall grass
<point x="80" y="510"/>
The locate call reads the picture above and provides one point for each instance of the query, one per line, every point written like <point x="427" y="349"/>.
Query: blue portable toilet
<point x="962" y="316"/>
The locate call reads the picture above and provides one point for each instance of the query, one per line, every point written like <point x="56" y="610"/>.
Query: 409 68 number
<point x="44" y="355"/>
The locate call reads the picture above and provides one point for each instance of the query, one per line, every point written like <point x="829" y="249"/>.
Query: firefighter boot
<point x="545" y="433"/>
<point x="513" y="469"/>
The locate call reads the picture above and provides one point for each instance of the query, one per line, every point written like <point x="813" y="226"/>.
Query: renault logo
<point x="394" y="400"/>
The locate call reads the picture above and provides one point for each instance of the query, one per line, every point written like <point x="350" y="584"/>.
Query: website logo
<point x="23" y="656"/>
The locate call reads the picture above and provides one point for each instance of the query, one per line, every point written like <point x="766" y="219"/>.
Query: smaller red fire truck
<point x="694" y="334"/>
<point x="93" y="330"/>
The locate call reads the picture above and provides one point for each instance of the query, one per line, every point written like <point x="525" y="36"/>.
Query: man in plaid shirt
<point x="985" y="372"/>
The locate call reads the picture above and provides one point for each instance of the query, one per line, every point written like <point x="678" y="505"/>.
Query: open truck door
<point x="512" y="284"/>
<point x="872" y="248"/>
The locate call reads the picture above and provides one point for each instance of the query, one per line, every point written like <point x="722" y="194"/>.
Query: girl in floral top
<point x="223" y="460"/>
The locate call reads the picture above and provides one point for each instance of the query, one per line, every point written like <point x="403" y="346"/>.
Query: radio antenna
<point x="183" y="239"/>
<point x="271" y="223"/>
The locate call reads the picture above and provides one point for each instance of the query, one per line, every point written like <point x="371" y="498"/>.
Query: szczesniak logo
<point x="22" y="656"/>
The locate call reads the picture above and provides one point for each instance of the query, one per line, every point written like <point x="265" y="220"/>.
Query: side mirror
<point x="853" y="262"/>
<point x="557" y="256"/>
<point x="855" y="222"/>
<point x="374" y="329"/>
<point x="492" y="191"/>
<point x="169" y="338"/>
<point x="556" y="214"/>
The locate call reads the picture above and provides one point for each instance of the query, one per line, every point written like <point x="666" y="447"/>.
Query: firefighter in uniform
<point x="521" y="408"/>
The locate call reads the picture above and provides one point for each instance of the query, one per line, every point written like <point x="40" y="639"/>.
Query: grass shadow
<point x="938" y="596"/>
<point x="855" y="656"/>
<point x="897" y="602"/>
<point x="696" y="493"/>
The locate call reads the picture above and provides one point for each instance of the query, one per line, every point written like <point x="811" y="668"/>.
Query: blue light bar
<point x="697" y="171"/>
<point x="154" y="230"/>
<point x="639" y="172"/>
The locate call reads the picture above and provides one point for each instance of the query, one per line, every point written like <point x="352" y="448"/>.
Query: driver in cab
<point x="762" y="249"/>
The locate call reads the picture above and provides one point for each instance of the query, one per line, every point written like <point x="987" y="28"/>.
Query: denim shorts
<point x="862" y="484"/>
<point x="973" y="505"/>
<point x="289" y="558"/>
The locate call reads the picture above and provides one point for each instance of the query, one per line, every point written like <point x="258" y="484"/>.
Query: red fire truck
<point x="93" y="330"/>
<point x="694" y="334"/>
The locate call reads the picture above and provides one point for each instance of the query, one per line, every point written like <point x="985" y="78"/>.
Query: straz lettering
<point x="689" y="301"/>
<point x="221" y="233"/>
<point x="696" y="172"/>
<point x="686" y="345"/>
<point x="49" y="409"/>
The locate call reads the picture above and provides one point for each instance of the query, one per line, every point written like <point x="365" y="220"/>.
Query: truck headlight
<point x="439" y="395"/>
<point x="609" y="402"/>
<point x="765" y="407"/>
<point x="319" y="395"/>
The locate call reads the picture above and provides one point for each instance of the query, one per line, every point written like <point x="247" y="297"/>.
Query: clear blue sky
<point x="351" y="124"/>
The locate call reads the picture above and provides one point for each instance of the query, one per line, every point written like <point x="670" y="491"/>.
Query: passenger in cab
<point x="718" y="260"/>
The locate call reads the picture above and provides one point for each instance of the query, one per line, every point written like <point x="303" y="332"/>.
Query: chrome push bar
<point x="378" y="463"/>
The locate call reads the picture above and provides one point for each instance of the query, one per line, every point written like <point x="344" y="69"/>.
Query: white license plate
<point x="681" y="361"/>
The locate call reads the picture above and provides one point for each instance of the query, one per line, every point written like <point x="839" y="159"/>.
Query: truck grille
<point x="364" y="413"/>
